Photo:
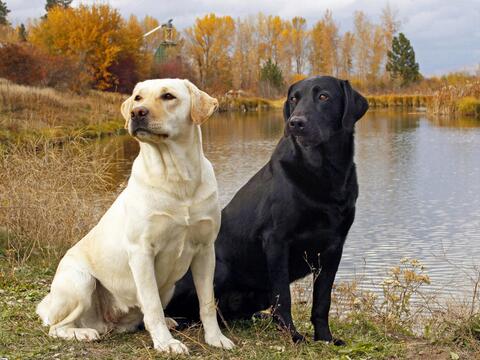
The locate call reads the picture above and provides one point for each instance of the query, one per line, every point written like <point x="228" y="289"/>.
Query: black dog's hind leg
<point x="322" y="291"/>
<point x="280" y="299"/>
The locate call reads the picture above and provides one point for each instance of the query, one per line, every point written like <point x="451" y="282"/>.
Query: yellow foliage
<point x="298" y="77"/>
<point x="93" y="35"/>
<point x="324" y="38"/>
<point x="209" y="42"/>
<point x="469" y="106"/>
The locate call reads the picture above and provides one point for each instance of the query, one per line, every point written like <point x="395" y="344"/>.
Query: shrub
<point x="468" y="106"/>
<point x="25" y="64"/>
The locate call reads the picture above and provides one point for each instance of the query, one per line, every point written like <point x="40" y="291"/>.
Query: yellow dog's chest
<point x="176" y="238"/>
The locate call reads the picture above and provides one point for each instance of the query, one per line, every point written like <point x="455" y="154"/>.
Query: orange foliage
<point x="95" y="36"/>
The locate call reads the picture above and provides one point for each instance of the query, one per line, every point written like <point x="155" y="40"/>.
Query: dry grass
<point x="457" y="100"/>
<point x="29" y="112"/>
<point x="248" y="104"/>
<point x="398" y="101"/>
<point x="50" y="197"/>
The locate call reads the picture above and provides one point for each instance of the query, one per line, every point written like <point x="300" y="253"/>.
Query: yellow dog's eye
<point x="168" y="96"/>
<point x="137" y="98"/>
<point x="323" y="97"/>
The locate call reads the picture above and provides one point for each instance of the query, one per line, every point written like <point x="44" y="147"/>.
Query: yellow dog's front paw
<point x="172" y="346"/>
<point x="220" y="341"/>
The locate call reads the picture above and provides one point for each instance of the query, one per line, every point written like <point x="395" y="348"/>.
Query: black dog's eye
<point x="168" y="96"/>
<point x="137" y="98"/>
<point x="293" y="99"/>
<point x="323" y="97"/>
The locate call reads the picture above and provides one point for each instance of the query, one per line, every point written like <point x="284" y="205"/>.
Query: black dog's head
<point x="320" y="106"/>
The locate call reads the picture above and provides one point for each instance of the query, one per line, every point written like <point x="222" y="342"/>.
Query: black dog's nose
<point x="297" y="123"/>
<point x="139" y="112"/>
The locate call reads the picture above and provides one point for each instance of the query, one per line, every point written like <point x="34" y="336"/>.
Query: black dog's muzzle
<point x="296" y="125"/>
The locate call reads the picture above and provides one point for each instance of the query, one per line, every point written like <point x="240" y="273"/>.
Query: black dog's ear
<point x="355" y="106"/>
<point x="286" y="109"/>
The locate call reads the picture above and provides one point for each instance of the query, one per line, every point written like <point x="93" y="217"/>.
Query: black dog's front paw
<point x="330" y="340"/>
<point x="338" y="342"/>
<point x="298" y="338"/>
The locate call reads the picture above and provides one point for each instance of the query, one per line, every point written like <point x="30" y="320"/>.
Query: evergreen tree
<point x="22" y="33"/>
<point x="3" y="13"/>
<point x="52" y="3"/>
<point x="272" y="74"/>
<point x="401" y="61"/>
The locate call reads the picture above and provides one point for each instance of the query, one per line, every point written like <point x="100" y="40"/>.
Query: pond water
<point x="419" y="188"/>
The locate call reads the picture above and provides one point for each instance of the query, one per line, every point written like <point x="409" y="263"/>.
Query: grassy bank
<point x="51" y="196"/>
<point x="249" y="104"/>
<point x="368" y="334"/>
<point x="29" y="113"/>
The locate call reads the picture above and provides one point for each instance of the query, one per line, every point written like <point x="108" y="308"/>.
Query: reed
<point x="50" y="197"/>
<point x="398" y="101"/>
<point x="456" y="100"/>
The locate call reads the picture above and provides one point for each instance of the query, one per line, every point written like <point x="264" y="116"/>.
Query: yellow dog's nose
<point x="139" y="112"/>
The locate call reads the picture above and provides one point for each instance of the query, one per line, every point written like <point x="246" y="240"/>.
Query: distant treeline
<point x="92" y="46"/>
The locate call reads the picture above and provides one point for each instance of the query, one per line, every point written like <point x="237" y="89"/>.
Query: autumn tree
<point x="324" y="43"/>
<point x="131" y="63"/>
<point x="271" y="30"/>
<point x="246" y="59"/>
<point x="209" y="43"/>
<point x="3" y="13"/>
<point x="390" y="24"/>
<point x="346" y="55"/>
<point x="92" y="35"/>
<point x="363" y="44"/>
<point x="377" y="55"/>
<point x="298" y="38"/>
<point x="401" y="61"/>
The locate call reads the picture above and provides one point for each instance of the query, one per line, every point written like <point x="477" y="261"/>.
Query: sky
<point x="445" y="34"/>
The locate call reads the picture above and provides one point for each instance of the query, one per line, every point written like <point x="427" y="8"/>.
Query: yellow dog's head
<point x="163" y="109"/>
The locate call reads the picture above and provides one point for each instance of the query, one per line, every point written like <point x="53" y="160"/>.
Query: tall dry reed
<point x="50" y="197"/>
<point x="457" y="100"/>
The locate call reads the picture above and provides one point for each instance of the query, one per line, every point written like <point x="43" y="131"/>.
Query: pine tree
<point x="22" y="33"/>
<point x="401" y="61"/>
<point x="3" y="13"/>
<point x="271" y="73"/>
<point x="271" y="78"/>
<point x="52" y="3"/>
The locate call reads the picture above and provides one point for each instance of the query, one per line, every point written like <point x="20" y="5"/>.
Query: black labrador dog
<point x="292" y="217"/>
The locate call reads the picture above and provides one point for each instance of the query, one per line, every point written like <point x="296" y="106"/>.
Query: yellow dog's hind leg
<point x="70" y="298"/>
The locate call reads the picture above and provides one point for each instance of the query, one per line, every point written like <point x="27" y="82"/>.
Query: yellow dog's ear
<point x="202" y="104"/>
<point x="126" y="109"/>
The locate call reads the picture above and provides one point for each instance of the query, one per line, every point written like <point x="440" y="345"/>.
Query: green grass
<point x="23" y="337"/>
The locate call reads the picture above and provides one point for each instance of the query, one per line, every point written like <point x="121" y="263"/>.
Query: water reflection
<point x="419" y="187"/>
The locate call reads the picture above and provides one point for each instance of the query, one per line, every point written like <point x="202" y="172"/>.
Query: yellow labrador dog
<point x="165" y="221"/>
